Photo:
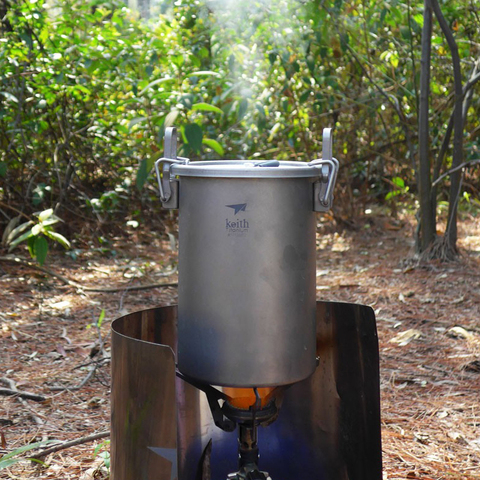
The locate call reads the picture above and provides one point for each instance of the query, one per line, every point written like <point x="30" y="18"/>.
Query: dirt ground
<point x="428" y="319"/>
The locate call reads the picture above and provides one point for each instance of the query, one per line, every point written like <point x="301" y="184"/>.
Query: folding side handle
<point x="328" y="166"/>
<point x="167" y="186"/>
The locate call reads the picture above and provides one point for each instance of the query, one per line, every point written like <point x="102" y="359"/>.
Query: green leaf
<point x="170" y="118"/>
<point x="145" y="168"/>
<point x="51" y="221"/>
<point x="100" y="318"/>
<point x="9" y="462"/>
<point x="155" y="82"/>
<point x="83" y="89"/>
<point x="390" y="195"/>
<point x="45" y="215"/>
<point x="41" y="249"/>
<point x="214" y="145"/>
<point x="207" y="108"/>
<point x="344" y="40"/>
<point x="37" y="229"/>
<point x="274" y="131"/>
<point x="142" y="172"/>
<point x="17" y="231"/>
<point x="3" y="169"/>
<point x="194" y="136"/>
<point x="242" y="108"/>
<point x="20" y="239"/>
<point x="135" y="121"/>
<point x="304" y="97"/>
<point x="116" y="18"/>
<point x="57" y="237"/>
<point x="9" y="96"/>
<point x="26" y="448"/>
<point x="398" y="182"/>
<point x="394" y="59"/>
<point x="31" y="246"/>
<point x="204" y="73"/>
<point x="39" y="194"/>
<point x="178" y="60"/>
<point x="419" y="19"/>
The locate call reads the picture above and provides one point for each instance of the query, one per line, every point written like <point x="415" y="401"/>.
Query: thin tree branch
<point x="467" y="93"/>
<point x="395" y="104"/>
<point x="455" y="169"/>
<point x="451" y="230"/>
<point x="412" y="54"/>
<point x="86" y="379"/>
<point x="11" y="384"/>
<point x="8" y="392"/>
<point x="71" y="443"/>
<point x="13" y="209"/>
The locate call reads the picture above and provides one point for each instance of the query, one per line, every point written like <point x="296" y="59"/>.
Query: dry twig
<point x="71" y="443"/>
<point x="87" y="378"/>
<point x="12" y="386"/>
<point x="18" y="393"/>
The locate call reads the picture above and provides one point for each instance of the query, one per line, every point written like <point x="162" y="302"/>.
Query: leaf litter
<point x="428" y="327"/>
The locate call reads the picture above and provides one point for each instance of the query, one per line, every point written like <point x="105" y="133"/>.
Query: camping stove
<point x="248" y="349"/>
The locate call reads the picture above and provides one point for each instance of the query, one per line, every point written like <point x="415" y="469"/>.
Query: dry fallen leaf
<point x="98" y="471"/>
<point x="460" y="332"/>
<point x="404" y="338"/>
<point x="422" y="437"/>
<point x="457" y="437"/>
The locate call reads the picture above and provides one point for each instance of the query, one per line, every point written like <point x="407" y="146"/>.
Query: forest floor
<point x="428" y="319"/>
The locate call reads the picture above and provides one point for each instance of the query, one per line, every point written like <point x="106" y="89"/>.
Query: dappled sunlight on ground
<point x="428" y="326"/>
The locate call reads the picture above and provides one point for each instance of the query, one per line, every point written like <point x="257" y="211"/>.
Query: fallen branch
<point x="128" y="288"/>
<point x="8" y="392"/>
<point x="71" y="443"/>
<point x="71" y="283"/>
<point x="12" y="386"/>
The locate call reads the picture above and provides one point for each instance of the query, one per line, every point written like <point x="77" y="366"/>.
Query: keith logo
<point x="237" y="227"/>
<point x="239" y="207"/>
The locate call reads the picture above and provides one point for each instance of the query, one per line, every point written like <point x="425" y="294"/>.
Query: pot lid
<point x="245" y="169"/>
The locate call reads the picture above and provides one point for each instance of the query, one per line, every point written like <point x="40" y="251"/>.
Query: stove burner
<point x="227" y="416"/>
<point x="261" y="416"/>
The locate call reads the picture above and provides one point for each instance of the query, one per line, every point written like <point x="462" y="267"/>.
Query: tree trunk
<point x="455" y="177"/>
<point x="5" y="25"/>
<point x="427" y="217"/>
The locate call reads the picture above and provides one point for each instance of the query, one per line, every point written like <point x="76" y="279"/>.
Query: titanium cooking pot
<point x="246" y="298"/>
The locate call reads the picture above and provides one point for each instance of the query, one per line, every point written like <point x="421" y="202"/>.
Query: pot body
<point x="246" y="306"/>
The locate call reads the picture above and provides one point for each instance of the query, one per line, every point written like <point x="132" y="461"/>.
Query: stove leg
<point x="248" y="455"/>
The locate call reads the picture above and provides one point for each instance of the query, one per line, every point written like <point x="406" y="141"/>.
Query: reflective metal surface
<point x="328" y="427"/>
<point x="246" y="264"/>
<point x="246" y="297"/>
<point x="144" y="424"/>
<point x="246" y="169"/>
